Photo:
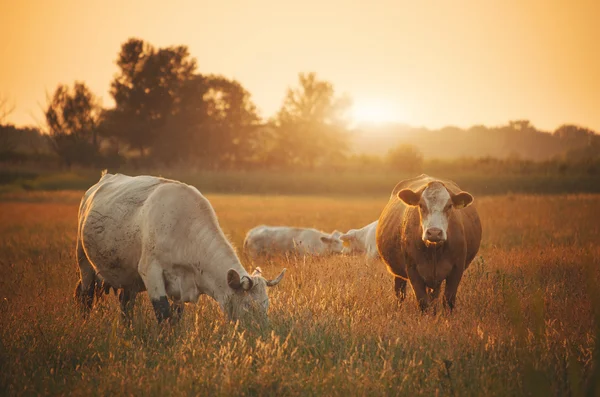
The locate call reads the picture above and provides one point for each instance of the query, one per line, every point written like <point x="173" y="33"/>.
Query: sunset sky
<point x="430" y="62"/>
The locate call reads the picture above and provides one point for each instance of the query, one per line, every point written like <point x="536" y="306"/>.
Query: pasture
<point x="524" y="323"/>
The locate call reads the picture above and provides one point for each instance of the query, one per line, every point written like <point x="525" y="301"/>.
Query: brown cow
<point x="428" y="233"/>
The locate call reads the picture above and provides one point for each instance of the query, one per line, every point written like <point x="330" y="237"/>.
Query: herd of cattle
<point x="277" y="240"/>
<point x="162" y="236"/>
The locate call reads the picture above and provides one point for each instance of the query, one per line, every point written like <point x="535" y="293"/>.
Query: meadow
<point x="525" y="322"/>
<point x="474" y="177"/>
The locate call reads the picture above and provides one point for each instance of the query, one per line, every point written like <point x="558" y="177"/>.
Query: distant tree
<point x="311" y="124"/>
<point x="7" y="144"/>
<point x="23" y="139"/>
<point x="570" y="132"/>
<point x="147" y="89"/>
<point x="233" y="120"/>
<point x="6" y="108"/>
<point x="521" y="125"/>
<point x="405" y="157"/>
<point x="72" y="119"/>
<point x="213" y="124"/>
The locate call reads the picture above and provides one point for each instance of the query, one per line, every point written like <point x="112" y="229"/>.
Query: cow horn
<point x="276" y="280"/>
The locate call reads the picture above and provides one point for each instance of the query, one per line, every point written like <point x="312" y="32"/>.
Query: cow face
<point x="351" y="243"/>
<point x="332" y="244"/>
<point x="249" y="300"/>
<point x="435" y="204"/>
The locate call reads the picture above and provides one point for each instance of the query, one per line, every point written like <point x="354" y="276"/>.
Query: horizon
<point x="421" y="65"/>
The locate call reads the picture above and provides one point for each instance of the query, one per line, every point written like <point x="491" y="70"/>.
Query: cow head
<point x="351" y="242"/>
<point x="435" y="204"/>
<point x="249" y="299"/>
<point x="332" y="244"/>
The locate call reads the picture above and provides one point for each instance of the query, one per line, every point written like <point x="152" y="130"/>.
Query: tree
<point x="72" y="118"/>
<point x="405" y="158"/>
<point x="521" y="125"/>
<point x="147" y="89"/>
<point x="213" y="123"/>
<point x="233" y="120"/>
<point x="6" y="143"/>
<point x="311" y="124"/>
<point x="5" y="109"/>
<point x="574" y="133"/>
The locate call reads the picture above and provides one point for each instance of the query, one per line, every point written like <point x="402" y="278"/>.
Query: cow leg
<point x="435" y="292"/>
<point x="452" y="286"/>
<point x="400" y="288"/>
<point x="84" y="291"/>
<point x="177" y="310"/>
<point x="152" y="275"/>
<point x="127" y="302"/>
<point x="418" y="285"/>
<point x="434" y="295"/>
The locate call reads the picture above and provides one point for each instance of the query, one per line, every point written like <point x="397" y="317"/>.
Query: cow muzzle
<point x="434" y="236"/>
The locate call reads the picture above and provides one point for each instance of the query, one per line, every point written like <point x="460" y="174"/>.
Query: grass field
<point x="328" y="182"/>
<point x="524" y="323"/>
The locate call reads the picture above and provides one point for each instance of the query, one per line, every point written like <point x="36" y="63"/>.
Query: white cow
<point x="162" y="236"/>
<point x="359" y="241"/>
<point x="274" y="240"/>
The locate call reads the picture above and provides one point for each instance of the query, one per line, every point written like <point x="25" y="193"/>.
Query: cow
<point x="152" y="234"/>
<point x="361" y="241"/>
<point x="274" y="240"/>
<point x="427" y="233"/>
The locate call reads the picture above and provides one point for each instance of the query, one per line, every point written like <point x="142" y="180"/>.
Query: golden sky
<point x="426" y="62"/>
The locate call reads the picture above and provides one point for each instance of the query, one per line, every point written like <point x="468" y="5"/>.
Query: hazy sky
<point x="426" y="62"/>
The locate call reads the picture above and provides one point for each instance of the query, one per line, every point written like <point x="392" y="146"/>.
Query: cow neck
<point x="432" y="254"/>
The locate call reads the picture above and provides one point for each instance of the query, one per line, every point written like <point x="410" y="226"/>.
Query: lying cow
<point x="361" y="241"/>
<point x="428" y="233"/>
<point x="273" y="240"/>
<point x="162" y="236"/>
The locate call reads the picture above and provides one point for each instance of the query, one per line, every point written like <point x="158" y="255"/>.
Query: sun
<point x="374" y="112"/>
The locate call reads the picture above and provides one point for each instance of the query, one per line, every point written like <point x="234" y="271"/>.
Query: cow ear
<point x="347" y="237"/>
<point x="326" y="240"/>
<point x="233" y="279"/>
<point x="409" y="197"/>
<point x="462" y="200"/>
<point x="236" y="282"/>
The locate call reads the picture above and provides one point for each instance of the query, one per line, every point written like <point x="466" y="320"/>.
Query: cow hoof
<point x="161" y="309"/>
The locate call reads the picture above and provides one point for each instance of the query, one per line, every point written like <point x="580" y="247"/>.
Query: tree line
<point x="167" y="113"/>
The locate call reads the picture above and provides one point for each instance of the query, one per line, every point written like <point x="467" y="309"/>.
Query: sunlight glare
<point x="375" y="112"/>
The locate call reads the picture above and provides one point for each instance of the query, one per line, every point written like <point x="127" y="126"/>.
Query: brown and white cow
<point x="162" y="236"/>
<point x="428" y="233"/>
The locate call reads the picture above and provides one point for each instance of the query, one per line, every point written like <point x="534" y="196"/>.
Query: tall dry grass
<point x="524" y="323"/>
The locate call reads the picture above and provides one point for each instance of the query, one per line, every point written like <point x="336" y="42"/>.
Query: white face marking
<point x="435" y="199"/>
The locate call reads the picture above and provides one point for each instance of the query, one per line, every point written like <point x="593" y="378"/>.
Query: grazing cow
<point x="361" y="241"/>
<point x="273" y="240"/>
<point x="428" y="233"/>
<point x="162" y="236"/>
